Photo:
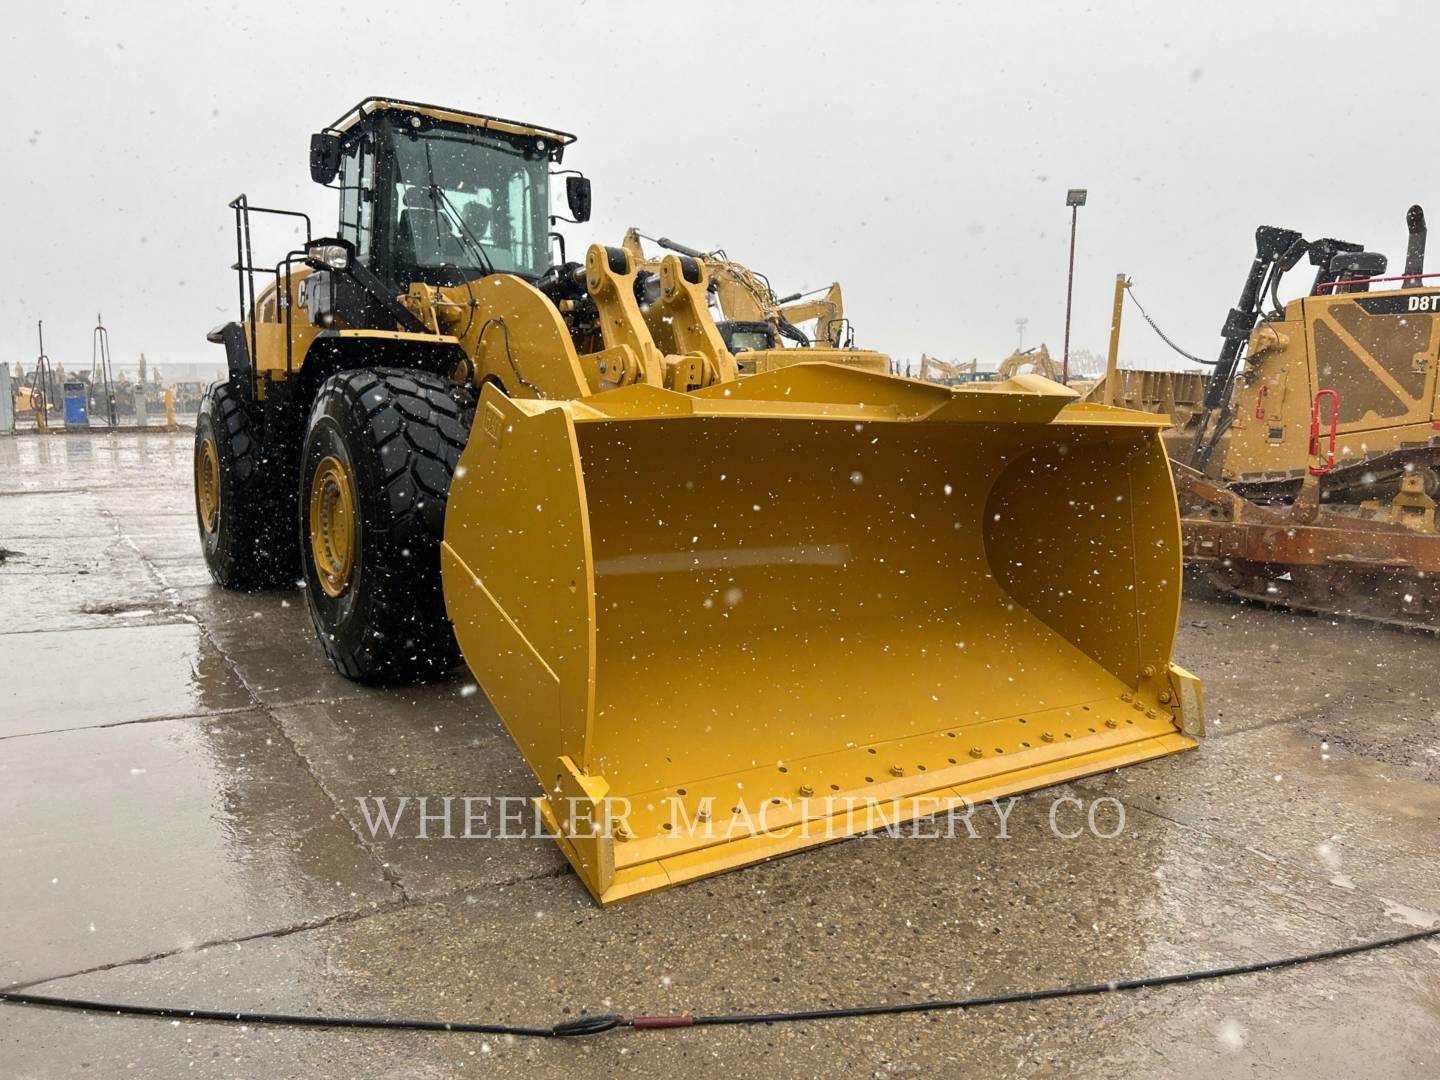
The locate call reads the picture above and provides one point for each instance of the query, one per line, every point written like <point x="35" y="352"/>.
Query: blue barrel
<point x="77" y="410"/>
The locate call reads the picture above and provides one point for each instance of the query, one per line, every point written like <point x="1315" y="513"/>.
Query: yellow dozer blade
<point x="730" y="624"/>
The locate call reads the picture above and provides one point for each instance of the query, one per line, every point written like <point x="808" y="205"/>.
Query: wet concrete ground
<point x="179" y="774"/>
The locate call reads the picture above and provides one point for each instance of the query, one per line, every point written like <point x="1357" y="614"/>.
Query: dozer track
<point x="1376" y="595"/>
<point x="1335" y="562"/>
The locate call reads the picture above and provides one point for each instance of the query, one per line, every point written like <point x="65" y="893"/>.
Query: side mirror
<point x="577" y="194"/>
<point x="324" y="157"/>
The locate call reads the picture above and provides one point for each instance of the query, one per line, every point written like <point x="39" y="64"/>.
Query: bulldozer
<point x="755" y="322"/>
<point x="723" y="618"/>
<point x="1311" y="476"/>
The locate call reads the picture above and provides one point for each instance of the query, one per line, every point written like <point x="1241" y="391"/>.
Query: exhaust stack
<point x="1415" y="248"/>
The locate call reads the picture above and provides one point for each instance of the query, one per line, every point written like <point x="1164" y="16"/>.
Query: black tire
<point x="398" y="433"/>
<point x="249" y="537"/>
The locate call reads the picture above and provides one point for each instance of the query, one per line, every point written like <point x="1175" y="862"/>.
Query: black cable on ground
<point x="583" y="1025"/>
<point x="1025" y="996"/>
<point x="601" y="1022"/>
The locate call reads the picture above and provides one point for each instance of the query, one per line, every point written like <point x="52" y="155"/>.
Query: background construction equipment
<point x="756" y="324"/>
<point x="1308" y="474"/>
<point x="947" y="373"/>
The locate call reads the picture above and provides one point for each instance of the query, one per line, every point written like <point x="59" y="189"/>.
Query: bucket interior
<point x="770" y="590"/>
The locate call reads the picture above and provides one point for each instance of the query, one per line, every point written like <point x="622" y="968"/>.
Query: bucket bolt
<point x="806" y="791"/>
<point x="1165" y="697"/>
<point x="1112" y="723"/>
<point x="976" y="752"/>
<point x="1047" y="737"/>
<point x="1148" y="671"/>
<point x="897" y="770"/>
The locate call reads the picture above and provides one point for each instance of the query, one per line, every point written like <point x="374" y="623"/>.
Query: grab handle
<point x="1334" y="396"/>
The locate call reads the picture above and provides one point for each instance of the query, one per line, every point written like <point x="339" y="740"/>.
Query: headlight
<point x="329" y="256"/>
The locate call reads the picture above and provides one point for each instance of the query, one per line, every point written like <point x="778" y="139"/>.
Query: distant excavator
<point x="1037" y="360"/>
<point x="1033" y="361"/>
<point x="947" y="372"/>
<point x="755" y="322"/>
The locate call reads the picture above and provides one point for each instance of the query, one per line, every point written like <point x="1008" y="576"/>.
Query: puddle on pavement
<point x="122" y="842"/>
<point x="90" y="678"/>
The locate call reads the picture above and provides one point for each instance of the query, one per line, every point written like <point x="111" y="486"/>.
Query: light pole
<point x="1020" y="324"/>
<point x="1074" y="198"/>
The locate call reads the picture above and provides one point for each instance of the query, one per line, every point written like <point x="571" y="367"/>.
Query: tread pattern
<point x="406" y="430"/>
<point x="260" y="548"/>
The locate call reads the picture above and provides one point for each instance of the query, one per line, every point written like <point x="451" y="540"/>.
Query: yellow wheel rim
<point x="333" y="525"/>
<point x="207" y="484"/>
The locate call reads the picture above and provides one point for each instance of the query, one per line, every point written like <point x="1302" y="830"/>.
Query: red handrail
<point x="1371" y="281"/>
<point x="1334" y="396"/>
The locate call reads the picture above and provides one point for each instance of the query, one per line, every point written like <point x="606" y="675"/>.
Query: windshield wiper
<point x="437" y="198"/>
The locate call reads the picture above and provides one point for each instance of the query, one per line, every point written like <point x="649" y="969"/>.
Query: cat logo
<point x="493" y="423"/>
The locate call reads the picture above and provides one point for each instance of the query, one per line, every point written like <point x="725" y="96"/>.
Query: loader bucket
<point x="727" y="625"/>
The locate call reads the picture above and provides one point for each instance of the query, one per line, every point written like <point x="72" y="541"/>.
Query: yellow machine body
<point x="728" y="624"/>
<point x="761" y="361"/>
<point x="723" y="617"/>
<point x="1375" y="351"/>
<point x="1308" y="463"/>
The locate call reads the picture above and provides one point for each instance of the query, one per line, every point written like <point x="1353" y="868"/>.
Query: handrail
<point x="1370" y="281"/>
<point x="1334" y="396"/>
<point x="245" y="269"/>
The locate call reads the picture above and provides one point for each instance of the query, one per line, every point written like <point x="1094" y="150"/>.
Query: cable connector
<point x="590" y="1025"/>
<point x="681" y="1020"/>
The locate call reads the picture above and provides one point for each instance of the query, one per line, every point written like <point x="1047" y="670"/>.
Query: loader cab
<point x="746" y="336"/>
<point x="440" y="196"/>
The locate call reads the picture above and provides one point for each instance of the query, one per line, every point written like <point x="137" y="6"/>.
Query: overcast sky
<point x="918" y="153"/>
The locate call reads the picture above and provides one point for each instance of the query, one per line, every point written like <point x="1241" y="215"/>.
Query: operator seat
<point x="424" y="234"/>
<point x="490" y="228"/>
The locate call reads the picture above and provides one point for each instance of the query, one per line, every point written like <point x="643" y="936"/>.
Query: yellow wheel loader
<point x="723" y="619"/>
<point x="1311" y="476"/>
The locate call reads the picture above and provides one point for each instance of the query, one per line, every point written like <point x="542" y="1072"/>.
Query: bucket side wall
<point x="518" y="584"/>
<point x="1085" y="533"/>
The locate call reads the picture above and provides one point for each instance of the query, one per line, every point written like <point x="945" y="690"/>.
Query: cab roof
<point x="454" y="116"/>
